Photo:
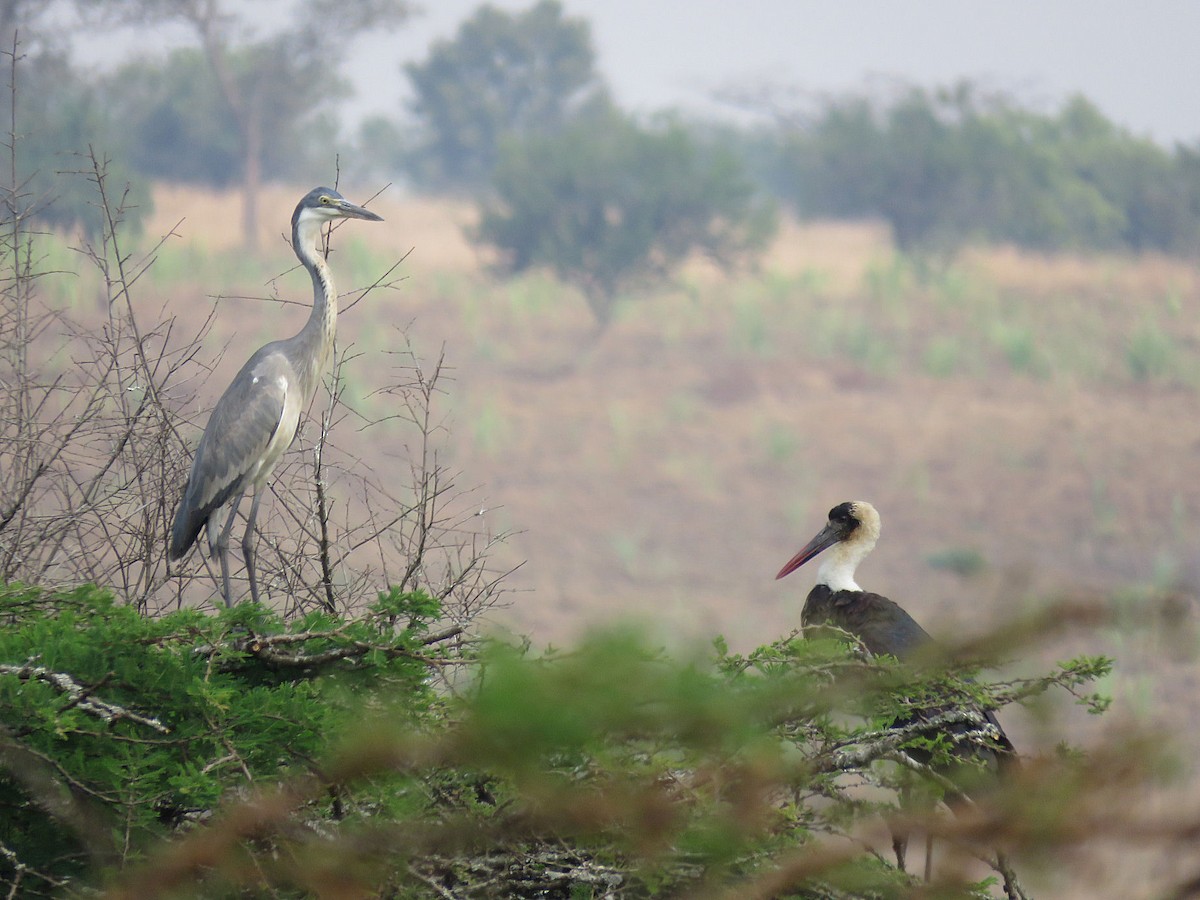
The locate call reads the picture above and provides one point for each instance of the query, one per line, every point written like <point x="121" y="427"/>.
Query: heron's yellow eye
<point x="325" y="198"/>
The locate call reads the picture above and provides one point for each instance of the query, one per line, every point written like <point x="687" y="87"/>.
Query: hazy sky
<point x="1137" y="59"/>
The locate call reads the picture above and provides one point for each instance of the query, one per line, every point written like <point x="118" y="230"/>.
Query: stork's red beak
<point x="827" y="537"/>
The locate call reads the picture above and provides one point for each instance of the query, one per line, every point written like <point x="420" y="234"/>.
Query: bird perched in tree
<point x="257" y="417"/>
<point x="884" y="629"/>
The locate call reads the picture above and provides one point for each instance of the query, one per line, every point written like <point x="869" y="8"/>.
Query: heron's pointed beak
<point x="350" y="210"/>
<point x="827" y="537"/>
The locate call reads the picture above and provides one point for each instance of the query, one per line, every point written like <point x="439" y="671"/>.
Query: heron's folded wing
<point x="246" y="419"/>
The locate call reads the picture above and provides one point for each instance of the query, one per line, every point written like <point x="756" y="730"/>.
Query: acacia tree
<point x="606" y="203"/>
<point x="502" y="74"/>
<point x="262" y="75"/>
<point x="242" y="755"/>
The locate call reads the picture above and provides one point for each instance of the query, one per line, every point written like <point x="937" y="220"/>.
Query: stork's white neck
<point x="840" y="563"/>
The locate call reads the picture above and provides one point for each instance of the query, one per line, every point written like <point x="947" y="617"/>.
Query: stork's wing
<point x="890" y="629"/>
<point x="242" y="426"/>
<point x="883" y="626"/>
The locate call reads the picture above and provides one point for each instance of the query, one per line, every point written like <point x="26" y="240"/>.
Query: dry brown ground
<point x="656" y="473"/>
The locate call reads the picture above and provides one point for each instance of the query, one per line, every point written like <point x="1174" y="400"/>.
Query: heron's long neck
<point x="317" y="335"/>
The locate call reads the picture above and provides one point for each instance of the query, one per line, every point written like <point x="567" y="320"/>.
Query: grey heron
<point x="884" y="628"/>
<point x="257" y="417"/>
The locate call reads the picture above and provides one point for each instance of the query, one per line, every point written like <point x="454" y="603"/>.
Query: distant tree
<point x="1187" y="192"/>
<point x="178" y="127"/>
<point x="24" y="18"/>
<point x="59" y="123"/>
<point x="380" y="149"/>
<point x="946" y="166"/>
<point x="285" y="75"/>
<point x="177" y="124"/>
<point x="606" y="202"/>
<point x="503" y="74"/>
<point x="1149" y="187"/>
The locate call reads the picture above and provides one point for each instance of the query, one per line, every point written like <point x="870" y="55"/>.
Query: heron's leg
<point x="248" y="545"/>
<point x="222" y="549"/>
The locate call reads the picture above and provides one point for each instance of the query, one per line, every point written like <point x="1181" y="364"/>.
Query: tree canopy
<point x="178" y="126"/>
<point x="312" y="756"/>
<point x="605" y="202"/>
<point x="64" y="123"/>
<point x="502" y="75"/>
<point x="249" y="102"/>
<point x="946" y="166"/>
<point x="265" y="80"/>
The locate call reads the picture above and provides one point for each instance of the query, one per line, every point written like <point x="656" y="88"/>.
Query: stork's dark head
<point x="854" y="524"/>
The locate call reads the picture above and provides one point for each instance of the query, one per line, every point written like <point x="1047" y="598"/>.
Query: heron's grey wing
<point x="241" y="427"/>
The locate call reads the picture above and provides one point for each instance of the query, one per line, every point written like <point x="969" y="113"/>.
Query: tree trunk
<point x="246" y="112"/>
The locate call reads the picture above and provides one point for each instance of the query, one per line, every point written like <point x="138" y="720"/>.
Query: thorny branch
<point x="93" y="457"/>
<point x="266" y="648"/>
<point x="81" y="697"/>
<point x="859" y="751"/>
<point x="349" y="532"/>
<point x="88" y="450"/>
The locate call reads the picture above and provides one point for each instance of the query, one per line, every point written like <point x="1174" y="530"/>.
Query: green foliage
<point x="503" y="74"/>
<point x="153" y="721"/>
<point x="1020" y="347"/>
<point x="1151" y="353"/>
<point x="177" y="125"/>
<point x="948" y="166"/>
<point x="606" y="202"/>
<point x="963" y="561"/>
<point x="615" y="763"/>
<point x="942" y="357"/>
<point x="326" y="764"/>
<point x="61" y="121"/>
<point x="381" y="149"/>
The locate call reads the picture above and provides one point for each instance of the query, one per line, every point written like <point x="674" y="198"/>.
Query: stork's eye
<point x="843" y="514"/>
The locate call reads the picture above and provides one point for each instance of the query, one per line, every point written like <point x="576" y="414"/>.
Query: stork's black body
<point x="886" y="629"/>
<point x="257" y="417"/>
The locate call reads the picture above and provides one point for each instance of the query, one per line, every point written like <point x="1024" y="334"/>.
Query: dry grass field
<point x="1026" y="425"/>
